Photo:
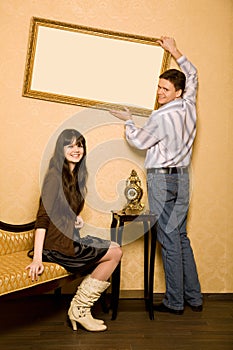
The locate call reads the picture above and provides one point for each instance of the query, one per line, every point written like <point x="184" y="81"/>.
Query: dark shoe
<point x="197" y="308"/>
<point x="162" y="308"/>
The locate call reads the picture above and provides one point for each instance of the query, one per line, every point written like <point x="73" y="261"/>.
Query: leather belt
<point x="171" y="170"/>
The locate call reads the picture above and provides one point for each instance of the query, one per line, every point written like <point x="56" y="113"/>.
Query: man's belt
<point x="170" y="170"/>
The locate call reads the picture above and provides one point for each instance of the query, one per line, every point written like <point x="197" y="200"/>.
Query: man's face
<point x="166" y="92"/>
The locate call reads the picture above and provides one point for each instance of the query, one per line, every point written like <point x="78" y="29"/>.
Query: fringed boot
<point x="87" y="294"/>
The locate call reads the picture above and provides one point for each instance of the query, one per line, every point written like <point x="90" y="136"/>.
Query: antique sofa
<point x="15" y="242"/>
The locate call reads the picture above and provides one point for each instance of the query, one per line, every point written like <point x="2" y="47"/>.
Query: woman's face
<point x="73" y="153"/>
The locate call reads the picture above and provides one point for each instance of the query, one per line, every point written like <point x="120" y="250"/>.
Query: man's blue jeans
<point x="168" y="196"/>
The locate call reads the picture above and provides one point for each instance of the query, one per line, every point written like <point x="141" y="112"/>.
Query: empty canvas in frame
<point x="92" y="67"/>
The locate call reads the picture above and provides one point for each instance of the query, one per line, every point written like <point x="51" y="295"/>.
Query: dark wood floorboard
<point x="39" y="322"/>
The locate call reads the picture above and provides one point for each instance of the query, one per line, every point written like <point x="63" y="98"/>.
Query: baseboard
<point x="132" y="294"/>
<point x="139" y="294"/>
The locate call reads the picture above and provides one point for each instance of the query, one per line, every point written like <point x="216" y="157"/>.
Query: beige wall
<point x="203" y="30"/>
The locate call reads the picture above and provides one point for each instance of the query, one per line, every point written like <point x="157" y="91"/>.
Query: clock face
<point x="131" y="193"/>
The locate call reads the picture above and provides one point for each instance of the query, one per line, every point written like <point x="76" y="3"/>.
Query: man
<point x="168" y="137"/>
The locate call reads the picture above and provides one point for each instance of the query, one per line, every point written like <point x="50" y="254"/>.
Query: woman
<point x="57" y="237"/>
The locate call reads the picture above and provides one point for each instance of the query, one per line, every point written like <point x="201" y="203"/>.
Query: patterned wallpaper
<point x="28" y="125"/>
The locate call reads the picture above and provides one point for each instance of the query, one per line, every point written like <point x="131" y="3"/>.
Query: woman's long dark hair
<point x="74" y="183"/>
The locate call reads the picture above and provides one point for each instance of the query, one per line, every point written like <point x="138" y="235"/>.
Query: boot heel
<point x="74" y="325"/>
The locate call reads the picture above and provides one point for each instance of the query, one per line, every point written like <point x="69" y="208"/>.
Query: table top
<point x="129" y="215"/>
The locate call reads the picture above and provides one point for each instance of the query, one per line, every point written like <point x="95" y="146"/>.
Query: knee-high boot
<point x="87" y="293"/>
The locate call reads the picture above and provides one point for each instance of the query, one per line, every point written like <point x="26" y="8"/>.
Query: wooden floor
<point x="40" y="323"/>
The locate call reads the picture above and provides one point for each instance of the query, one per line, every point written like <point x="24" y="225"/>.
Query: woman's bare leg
<point x="108" y="263"/>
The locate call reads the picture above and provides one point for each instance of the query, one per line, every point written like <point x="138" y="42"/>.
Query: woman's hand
<point x="121" y="114"/>
<point x="79" y="222"/>
<point x="35" y="269"/>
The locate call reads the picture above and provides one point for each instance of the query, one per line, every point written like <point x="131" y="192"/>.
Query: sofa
<point x="15" y="242"/>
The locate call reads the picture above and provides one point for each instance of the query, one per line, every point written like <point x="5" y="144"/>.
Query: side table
<point x="117" y="227"/>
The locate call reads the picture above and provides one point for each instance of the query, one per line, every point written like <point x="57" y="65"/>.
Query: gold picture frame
<point x="92" y="67"/>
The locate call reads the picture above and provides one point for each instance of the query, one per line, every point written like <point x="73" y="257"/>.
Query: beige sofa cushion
<point x="14" y="277"/>
<point x="13" y="260"/>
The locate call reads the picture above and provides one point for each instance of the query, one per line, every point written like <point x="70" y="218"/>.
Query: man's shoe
<point x="162" y="308"/>
<point x="197" y="308"/>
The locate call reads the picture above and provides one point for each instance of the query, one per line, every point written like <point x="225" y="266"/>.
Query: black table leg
<point x="115" y="290"/>
<point x="151" y="273"/>
<point x="113" y="228"/>
<point x="146" y="254"/>
<point x="116" y="276"/>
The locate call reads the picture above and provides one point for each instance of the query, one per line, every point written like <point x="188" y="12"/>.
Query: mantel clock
<point x="133" y="193"/>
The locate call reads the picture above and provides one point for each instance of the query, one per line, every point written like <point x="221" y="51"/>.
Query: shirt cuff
<point x="129" y="122"/>
<point x="181" y="59"/>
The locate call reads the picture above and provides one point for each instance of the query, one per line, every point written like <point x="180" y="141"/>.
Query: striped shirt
<point x="169" y="133"/>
